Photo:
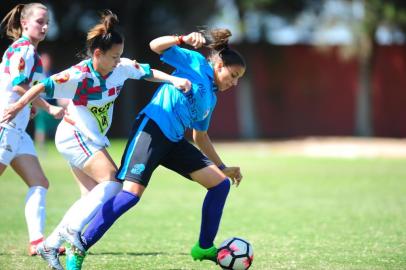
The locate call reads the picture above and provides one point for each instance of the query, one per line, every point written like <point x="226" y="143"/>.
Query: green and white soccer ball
<point x="235" y="254"/>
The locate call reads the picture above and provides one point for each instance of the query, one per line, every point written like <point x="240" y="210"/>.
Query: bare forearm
<point x="204" y="143"/>
<point x="159" y="76"/>
<point x="41" y="103"/>
<point x="160" y="44"/>
<point x="31" y="95"/>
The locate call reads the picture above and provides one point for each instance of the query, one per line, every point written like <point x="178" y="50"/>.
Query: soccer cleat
<point x="50" y="255"/>
<point x="73" y="238"/>
<point x="200" y="254"/>
<point x="32" y="247"/>
<point x="74" y="259"/>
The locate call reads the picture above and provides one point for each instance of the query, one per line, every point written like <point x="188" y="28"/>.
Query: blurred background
<point x="315" y="67"/>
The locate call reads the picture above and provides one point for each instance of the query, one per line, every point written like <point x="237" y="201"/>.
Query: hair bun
<point x="217" y="39"/>
<point x="109" y="20"/>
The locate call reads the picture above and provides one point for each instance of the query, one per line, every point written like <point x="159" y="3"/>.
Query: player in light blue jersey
<point x="157" y="138"/>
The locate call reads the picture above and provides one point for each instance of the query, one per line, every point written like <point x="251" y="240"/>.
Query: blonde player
<point x="27" y="26"/>
<point x="92" y="85"/>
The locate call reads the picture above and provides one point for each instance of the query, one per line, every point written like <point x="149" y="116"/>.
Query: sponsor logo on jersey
<point x="101" y="115"/>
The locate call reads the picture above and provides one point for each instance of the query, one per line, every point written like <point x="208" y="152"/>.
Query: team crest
<point x="61" y="77"/>
<point x="138" y="169"/>
<point x="21" y="65"/>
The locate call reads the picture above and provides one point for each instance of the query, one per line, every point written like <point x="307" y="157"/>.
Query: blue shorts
<point x="148" y="147"/>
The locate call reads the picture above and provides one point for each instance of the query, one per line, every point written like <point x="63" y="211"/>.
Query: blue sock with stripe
<point x="107" y="215"/>
<point x="211" y="213"/>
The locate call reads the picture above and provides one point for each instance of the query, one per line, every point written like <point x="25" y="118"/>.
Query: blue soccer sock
<point x="211" y="212"/>
<point x="107" y="215"/>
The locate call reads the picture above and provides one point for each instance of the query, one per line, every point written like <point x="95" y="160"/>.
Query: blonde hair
<point x="12" y="21"/>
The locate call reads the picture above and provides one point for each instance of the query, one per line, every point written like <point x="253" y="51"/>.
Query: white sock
<point x="53" y="240"/>
<point x="92" y="202"/>
<point x="35" y="212"/>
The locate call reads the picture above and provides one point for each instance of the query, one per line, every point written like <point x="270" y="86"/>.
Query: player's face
<point x="227" y="76"/>
<point x="35" y="27"/>
<point x="109" y="59"/>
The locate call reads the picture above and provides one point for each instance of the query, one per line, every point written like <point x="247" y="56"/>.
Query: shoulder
<point x="131" y="65"/>
<point x="74" y="73"/>
<point x="22" y="46"/>
<point x="127" y="63"/>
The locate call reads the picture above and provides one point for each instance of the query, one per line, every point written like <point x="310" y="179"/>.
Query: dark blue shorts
<point x="148" y="147"/>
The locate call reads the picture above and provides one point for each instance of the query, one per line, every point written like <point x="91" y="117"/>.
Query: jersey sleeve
<point x="135" y="70"/>
<point x="204" y="124"/>
<point x="21" y="65"/>
<point x="64" y="84"/>
<point x="182" y="59"/>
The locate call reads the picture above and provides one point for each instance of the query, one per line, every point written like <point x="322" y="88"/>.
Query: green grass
<point x="298" y="213"/>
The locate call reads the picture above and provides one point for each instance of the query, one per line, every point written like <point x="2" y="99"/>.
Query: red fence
<point x="304" y="91"/>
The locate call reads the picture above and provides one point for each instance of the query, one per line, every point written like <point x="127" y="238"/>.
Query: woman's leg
<point x="3" y="167"/>
<point x="102" y="169"/>
<point x="29" y="169"/>
<point x="85" y="182"/>
<point x="218" y="186"/>
<point x="111" y="211"/>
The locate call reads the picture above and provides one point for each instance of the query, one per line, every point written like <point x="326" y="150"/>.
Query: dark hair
<point x="104" y="35"/>
<point x="12" y="21"/>
<point x="217" y="42"/>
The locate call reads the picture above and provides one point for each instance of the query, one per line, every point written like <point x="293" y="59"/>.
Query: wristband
<point x="221" y="166"/>
<point x="179" y="39"/>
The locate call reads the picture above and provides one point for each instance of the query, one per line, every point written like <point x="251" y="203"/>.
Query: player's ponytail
<point x="11" y="23"/>
<point x="104" y="34"/>
<point x="217" y="42"/>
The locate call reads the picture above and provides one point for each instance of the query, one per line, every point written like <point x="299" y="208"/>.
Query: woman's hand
<point x="56" y="111"/>
<point x="234" y="174"/>
<point x="11" y="112"/>
<point x="194" y="39"/>
<point x="182" y="84"/>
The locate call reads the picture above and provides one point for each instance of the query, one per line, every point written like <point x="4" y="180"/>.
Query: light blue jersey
<point x="175" y="111"/>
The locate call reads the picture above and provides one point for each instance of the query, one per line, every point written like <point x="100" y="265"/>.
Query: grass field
<point x="298" y="212"/>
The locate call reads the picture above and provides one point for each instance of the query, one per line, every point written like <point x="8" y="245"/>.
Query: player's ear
<point x="97" y="52"/>
<point x="218" y="65"/>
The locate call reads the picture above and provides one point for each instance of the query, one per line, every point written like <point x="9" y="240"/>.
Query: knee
<point x="222" y="187"/>
<point x="43" y="182"/>
<point x="134" y="188"/>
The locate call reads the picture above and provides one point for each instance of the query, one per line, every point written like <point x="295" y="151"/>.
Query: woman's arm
<point x="26" y="98"/>
<point x="159" y="45"/>
<point x="55" y="111"/>
<point x="202" y="139"/>
<point x="180" y="83"/>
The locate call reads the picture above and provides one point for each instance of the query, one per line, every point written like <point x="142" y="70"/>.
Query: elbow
<point x="154" y="46"/>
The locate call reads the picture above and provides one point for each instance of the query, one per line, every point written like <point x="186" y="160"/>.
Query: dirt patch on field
<point x="347" y="147"/>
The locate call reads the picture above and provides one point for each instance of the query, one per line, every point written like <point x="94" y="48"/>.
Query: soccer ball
<point x="235" y="254"/>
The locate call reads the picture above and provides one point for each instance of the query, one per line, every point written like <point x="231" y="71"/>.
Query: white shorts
<point x="74" y="146"/>
<point x="14" y="143"/>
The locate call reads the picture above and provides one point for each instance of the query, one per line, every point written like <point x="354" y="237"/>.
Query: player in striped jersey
<point x="21" y="68"/>
<point x="92" y="85"/>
